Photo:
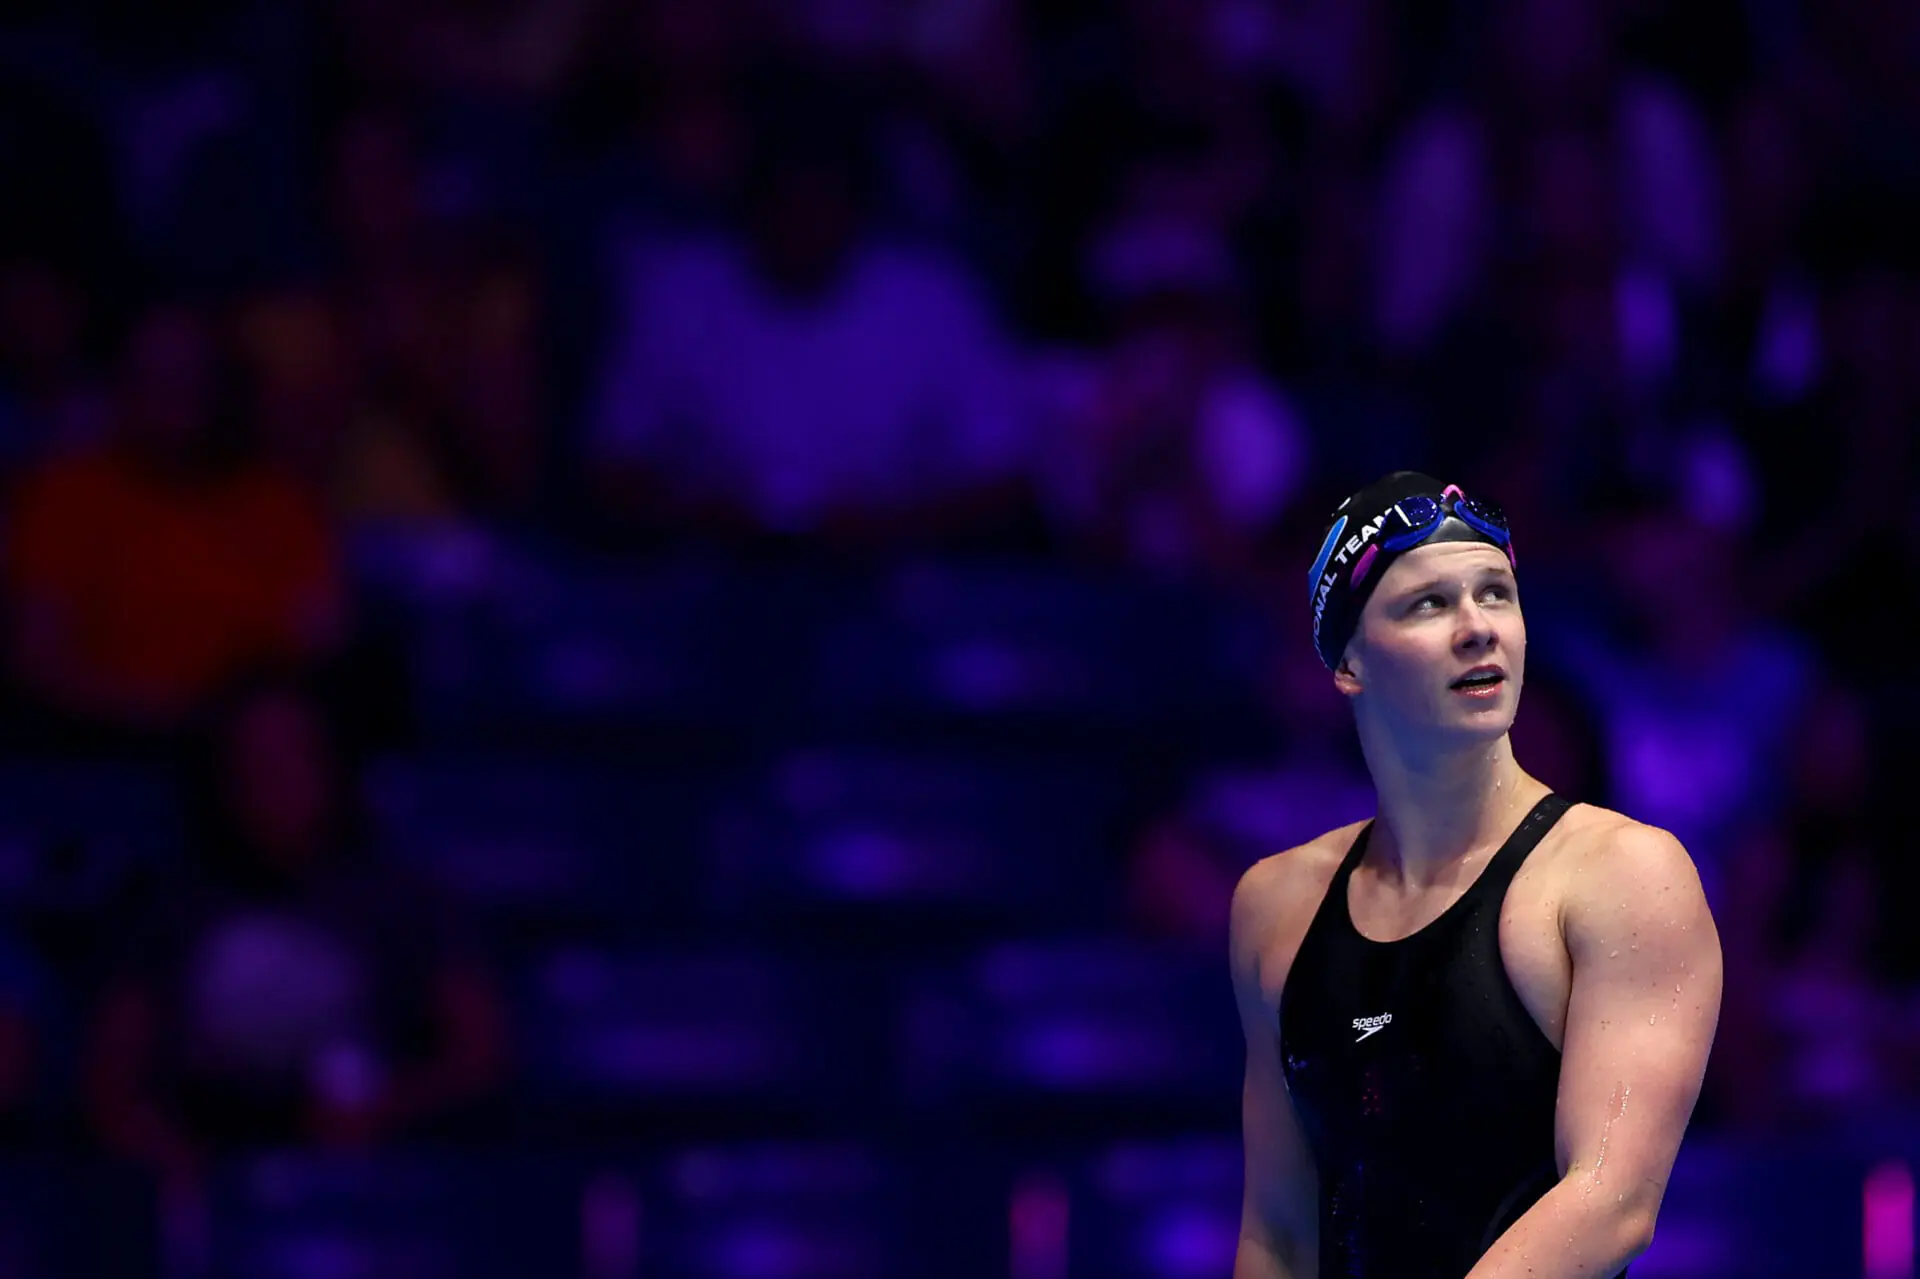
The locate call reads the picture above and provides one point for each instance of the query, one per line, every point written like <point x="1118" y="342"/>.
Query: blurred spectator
<point x="420" y="405"/>
<point x="1851" y="69"/>
<point x="1175" y="450"/>
<point x="146" y="569"/>
<point x="443" y="330"/>
<point x="1609" y="149"/>
<point x="1583" y="329"/>
<point x="202" y="101"/>
<point x="385" y="206"/>
<point x="1849" y="1038"/>
<point x="1761" y="335"/>
<point x="660" y="106"/>
<point x="462" y="49"/>
<point x="1815" y="1033"/>
<point x="495" y="394"/>
<point x="1173" y="453"/>
<point x="299" y="366"/>
<point x="806" y="377"/>
<point x="1181" y="875"/>
<point x="50" y="396"/>
<point x="1145" y="85"/>
<point x="1835" y="464"/>
<point x="22" y="988"/>
<point x="1698" y="695"/>
<point x="296" y="988"/>
<point x="1557" y="379"/>
<point x="1538" y="235"/>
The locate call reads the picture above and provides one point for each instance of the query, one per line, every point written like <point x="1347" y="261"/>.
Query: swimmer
<point x="1476" y="1024"/>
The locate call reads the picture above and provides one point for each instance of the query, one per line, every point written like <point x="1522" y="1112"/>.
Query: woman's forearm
<point x="1577" y="1230"/>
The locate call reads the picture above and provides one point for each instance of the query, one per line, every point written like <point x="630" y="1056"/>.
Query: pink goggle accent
<point x="1364" y="564"/>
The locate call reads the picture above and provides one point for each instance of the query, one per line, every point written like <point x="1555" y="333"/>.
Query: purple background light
<point x="645" y="639"/>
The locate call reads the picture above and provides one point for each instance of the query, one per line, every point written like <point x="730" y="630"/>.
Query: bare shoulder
<point x="1615" y="867"/>
<point x="1600" y="840"/>
<point x="1273" y="885"/>
<point x="1277" y="896"/>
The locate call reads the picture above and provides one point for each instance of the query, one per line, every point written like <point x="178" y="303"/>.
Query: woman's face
<point x="1440" y="610"/>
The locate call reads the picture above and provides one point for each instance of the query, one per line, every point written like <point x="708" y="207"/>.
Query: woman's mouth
<point x="1481" y="684"/>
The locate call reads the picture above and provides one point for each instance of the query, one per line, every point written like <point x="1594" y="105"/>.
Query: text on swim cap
<point x="1320" y="595"/>
<point x="1366" y="534"/>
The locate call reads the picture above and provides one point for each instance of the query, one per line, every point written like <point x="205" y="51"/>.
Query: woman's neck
<point x="1441" y="806"/>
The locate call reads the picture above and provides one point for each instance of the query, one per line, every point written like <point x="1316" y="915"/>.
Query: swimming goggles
<point x="1422" y="515"/>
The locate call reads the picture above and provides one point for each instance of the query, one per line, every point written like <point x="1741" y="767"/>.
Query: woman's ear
<point x="1346" y="678"/>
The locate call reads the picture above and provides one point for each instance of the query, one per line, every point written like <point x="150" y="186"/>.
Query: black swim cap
<point x="1373" y="528"/>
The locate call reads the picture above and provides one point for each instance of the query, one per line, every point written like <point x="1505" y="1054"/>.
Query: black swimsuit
<point x="1424" y="1087"/>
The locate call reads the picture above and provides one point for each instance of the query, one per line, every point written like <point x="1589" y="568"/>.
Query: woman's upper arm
<point x="1641" y="1014"/>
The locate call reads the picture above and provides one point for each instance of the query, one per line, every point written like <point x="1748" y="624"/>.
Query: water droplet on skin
<point x="1614" y="954"/>
<point x="1651" y="1018"/>
<point x="1635" y="946"/>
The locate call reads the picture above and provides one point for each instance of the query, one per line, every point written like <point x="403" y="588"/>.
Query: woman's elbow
<point x="1634" y="1226"/>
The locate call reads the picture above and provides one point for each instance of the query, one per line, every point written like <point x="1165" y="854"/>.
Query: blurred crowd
<point x="293" y="292"/>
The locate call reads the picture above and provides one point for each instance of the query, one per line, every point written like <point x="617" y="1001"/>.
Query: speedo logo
<point x="1369" y="1026"/>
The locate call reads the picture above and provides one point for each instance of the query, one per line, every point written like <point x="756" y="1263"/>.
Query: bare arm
<point x="1640" y="1021"/>
<point x="1279" y="1213"/>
